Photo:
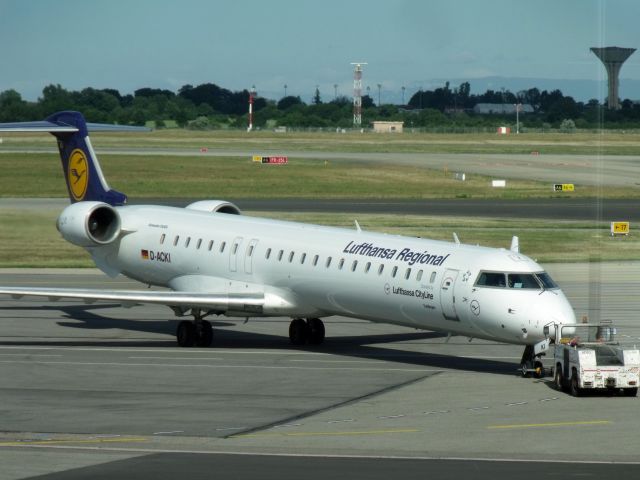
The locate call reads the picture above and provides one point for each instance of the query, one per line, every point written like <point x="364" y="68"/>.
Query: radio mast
<point x="357" y="93"/>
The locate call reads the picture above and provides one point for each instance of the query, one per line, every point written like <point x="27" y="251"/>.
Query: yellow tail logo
<point x="78" y="174"/>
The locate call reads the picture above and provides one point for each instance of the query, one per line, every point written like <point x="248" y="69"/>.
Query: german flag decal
<point x="144" y="254"/>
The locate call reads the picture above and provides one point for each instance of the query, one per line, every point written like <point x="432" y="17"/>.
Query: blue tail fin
<point x="82" y="172"/>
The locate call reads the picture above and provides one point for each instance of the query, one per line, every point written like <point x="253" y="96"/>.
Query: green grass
<point x="40" y="175"/>
<point x="30" y="239"/>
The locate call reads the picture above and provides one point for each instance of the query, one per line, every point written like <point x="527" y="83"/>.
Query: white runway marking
<point x="192" y="365"/>
<point x="175" y="358"/>
<point x="31" y="354"/>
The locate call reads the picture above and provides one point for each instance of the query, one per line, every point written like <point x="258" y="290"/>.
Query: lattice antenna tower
<point x="357" y="93"/>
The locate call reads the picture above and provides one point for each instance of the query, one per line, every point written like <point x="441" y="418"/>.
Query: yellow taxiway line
<point x="63" y="441"/>
<point x="543" y="425"/>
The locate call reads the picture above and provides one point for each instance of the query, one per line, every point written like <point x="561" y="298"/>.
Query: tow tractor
<point x="589" y="357"/>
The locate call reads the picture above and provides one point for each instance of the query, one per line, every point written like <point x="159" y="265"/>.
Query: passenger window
<point x="280" y="254"/>
<point x="315" y="260"/>
<point x="367" y="267"/>
<point x="162" y="238"/>
<point x="268" y="254"/>
<point x="175" y="240"/>
<point x="408" y="274"/>
<point x="381" y="269"/>
<point x="210" y="244"/>
<point x="491" y="279"/>
<point x="187" y="242"/>
<point x="433" y="277"/>
<point x="523" y="280"/>
<point x="394" y="271"/>
<point x="341" y="263"/>
<point x="303" y="257"/>
<point x="419" y="276"/>
<point x="199" y="243"/>
<point x="328" y="261"/>
<point x="354" y="265"/>
<point x="222" y="247"/>
<point x="291" y="257"/>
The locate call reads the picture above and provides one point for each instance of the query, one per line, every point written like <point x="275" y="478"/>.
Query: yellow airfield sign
<point x="619" y="228"/>
<point x="563" y="187"/>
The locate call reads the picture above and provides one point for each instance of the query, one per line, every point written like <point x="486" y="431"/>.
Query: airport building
<point x="388" y="127"/>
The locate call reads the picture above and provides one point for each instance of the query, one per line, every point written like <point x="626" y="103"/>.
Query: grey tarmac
<point x="99" y="391"/>
<point x="586" y="209"/>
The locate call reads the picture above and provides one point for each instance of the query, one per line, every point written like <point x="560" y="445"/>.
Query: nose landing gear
<point x="531" y="362"/>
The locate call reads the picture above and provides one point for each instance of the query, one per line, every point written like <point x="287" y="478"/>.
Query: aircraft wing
<point x="250" y="303"/>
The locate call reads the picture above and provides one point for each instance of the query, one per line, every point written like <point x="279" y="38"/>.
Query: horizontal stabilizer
<point x="61" y="127"/>
<point x="41" y="126"/>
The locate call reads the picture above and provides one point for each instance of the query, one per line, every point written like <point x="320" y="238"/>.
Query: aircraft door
<point x="233" y="254"/>
<point x="249" y="254"/>
<point x="447" y="295"/>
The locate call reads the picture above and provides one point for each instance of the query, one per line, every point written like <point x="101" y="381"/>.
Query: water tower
<point x="613" y="58"/>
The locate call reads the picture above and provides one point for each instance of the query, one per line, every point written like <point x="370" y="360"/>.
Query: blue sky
<point x="129" y="44"/>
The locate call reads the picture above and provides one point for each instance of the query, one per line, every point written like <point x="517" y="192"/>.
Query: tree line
<point x="211" y="106"/>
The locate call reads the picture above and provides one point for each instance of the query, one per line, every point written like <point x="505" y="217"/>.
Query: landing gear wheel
<point x="316" y="331"/>
<point x="204" y="334"/>
<point x="298" y="331"/>
<point x="630" y="392"/>
<point x="525" y="369"/>
<point x="186" y="334"/>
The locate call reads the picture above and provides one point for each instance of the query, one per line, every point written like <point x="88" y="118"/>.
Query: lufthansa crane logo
<point x="78" y="174"/>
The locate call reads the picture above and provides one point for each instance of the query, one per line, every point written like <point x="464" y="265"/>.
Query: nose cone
<point x="551" y="307"/>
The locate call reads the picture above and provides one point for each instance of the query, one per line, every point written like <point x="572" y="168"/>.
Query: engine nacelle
<point x="215" y="206"/>
<point x="89" y="224"/>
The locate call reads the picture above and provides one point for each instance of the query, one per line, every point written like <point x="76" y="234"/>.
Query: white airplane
<point x="217" y="261"/>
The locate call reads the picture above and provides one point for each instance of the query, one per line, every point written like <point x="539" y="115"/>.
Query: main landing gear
<point x="198" y="333"/>
<point x="309" y="331"/>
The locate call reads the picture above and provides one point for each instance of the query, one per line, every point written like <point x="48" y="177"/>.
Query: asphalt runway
<point x="585" y="209"/>
<point x="98" y="391"/>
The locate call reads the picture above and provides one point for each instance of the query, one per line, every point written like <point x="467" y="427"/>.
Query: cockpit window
<point x="491" y="279"/>
<point x="546" y="280"/>
<point x="523" y="280"/>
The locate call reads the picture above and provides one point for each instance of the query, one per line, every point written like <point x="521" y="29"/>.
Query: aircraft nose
<point x="550" y="307"/>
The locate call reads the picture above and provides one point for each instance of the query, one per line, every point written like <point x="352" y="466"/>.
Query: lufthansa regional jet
<point x="216" y="261"/>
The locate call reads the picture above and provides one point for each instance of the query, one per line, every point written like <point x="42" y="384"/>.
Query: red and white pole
<point x="251" y="95"/>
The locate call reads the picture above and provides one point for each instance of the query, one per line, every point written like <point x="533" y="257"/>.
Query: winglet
<point x="455" y="238"/>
